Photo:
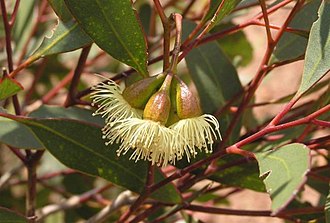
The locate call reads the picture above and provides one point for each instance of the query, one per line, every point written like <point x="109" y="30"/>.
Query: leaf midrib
<point x="39" y="53"/>
<point x="118" y="37"/>
<point x="82" y="146"/>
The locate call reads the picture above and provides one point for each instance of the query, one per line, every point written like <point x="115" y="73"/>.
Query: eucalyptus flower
<point x="149" y="140"/>
<point x="111" y="103"/>
<point x="196" y="130"/>
<point x="147" y="134"/>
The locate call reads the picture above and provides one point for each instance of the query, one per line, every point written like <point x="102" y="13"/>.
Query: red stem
<point x="71" y="99"/>
<point x="167" y="34"/>
<point x="14" y="14"/>
<point x="321" y="123"/>
<point x="50" y="94"/>
<point x="265" y="15"/>
<point x="271" y="128"/>
<point x="259" y="77"/>
<point x="8" y="36"/>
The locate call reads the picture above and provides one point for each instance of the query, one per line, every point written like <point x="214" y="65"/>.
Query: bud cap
<point x="187" y="102"/>
<point x="158" y="107"/>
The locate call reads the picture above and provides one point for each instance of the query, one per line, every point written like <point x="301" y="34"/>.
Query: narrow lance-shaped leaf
<point x="244" y="175"/>
<point x="317" y="60"/>
<point x="236" y="46"/>
<point x="215" y="78"/>
<point x="219" y="9"/>
<point x="284" y="171"/>
<point x="65" y="37"/>
<point x="80" y="146"/>
<point x="15" y="134"/>
<point x="61" y="10"/>
<point x="114" y="27"/>
<point x="292" y="45"/>
<point x="9" y="87"/>
<point x="23" y="25"/>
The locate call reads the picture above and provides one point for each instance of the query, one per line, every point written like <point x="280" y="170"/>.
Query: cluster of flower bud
<point x="159" y="118"/>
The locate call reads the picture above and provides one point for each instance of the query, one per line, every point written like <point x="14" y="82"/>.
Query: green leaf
<point x="327" y="207"/>
<point x="61" y="10"/>
<point x="65" y="37"/>
<point x="304" y="217"/>
<point x="321" y="187"/>
<point x="317" y="60"/>
<point x="292" y="45"/>
<point x="284" y="171"/>
<point x="76" y="113"/>
<point x="9" y="87"/>
<point x="243" y="174"/>
<point x="9" y="216"/>
<point x="236" y="46"/>
<point x="227" y="6"/>
<point x="215" y="78"/>
<point x="114" y="27"/>
<point x="145" y="15"/>
<point x="23" y="24"/>
<point x="80" y="146"/>
<point x="17" y="135"/>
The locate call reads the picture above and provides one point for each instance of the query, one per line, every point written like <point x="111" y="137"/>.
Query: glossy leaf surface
<point x="61" y="10"/>
<point x="226" y="7"/>
<point x="80" y="146"/>
<point x="65" y="37"/>
<point x="114" y="27"/>
<point x="215" y="78"/>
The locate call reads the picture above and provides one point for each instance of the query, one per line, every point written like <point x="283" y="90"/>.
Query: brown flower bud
<point x="187" y="102"/>
<point x="158" y="107"/>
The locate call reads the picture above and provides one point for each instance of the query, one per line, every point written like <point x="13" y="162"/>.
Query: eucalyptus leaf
<point x="61" y="10"/>
<point x="145" y="13"/>
<point x="304" y="217"/>
<point x="80" y="146"/>
<point x="292" y="45"/>
<point x="114" y="27"/>
<point x="284" y="171"/>
<point x="18" y="135"/>
<point x="65" y="37"/>
<point x="76" y="113"/>
<point x="215" y="78"/>
<point x="15" y="134"/>
<point x="317" y="59"/>
<point x="236" y="46"/>
<point x="226" y="7"/>
<point x="9" y="216"/>
<point x="243" y="174"/>
<point x="9" y="87"/>
<point x="23" y="24"/>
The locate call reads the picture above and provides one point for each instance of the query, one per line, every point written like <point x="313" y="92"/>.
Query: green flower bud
<point x="158" y="107"/>
<point x="138" y="93"/>
<point x="187" y="102"/>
